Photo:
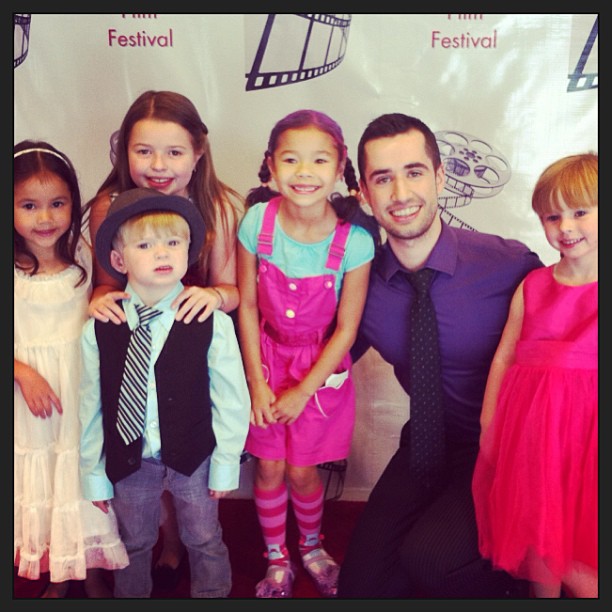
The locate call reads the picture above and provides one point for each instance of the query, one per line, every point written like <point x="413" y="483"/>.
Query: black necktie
<point x="426" y="411"/>
<point x="133" y="392"/>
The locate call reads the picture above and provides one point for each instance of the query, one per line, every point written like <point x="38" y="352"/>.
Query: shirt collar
<point x="167" y="316"/>
<point x="443" y="256"/>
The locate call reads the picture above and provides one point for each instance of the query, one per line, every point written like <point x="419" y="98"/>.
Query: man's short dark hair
<point x="393" y="124"/>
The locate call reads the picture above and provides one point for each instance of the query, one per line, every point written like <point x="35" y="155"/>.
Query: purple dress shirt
<point x="476" y="275"/>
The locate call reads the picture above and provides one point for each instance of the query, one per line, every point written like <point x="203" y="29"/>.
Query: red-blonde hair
<point x="574" y="179"/>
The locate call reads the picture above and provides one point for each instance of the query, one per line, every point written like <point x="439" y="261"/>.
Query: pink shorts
<point x="323" y="432"/>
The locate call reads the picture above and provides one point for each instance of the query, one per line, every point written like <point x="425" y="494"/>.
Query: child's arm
<point x="36" y="391"/>
<point x="503" y="358"/>
<point x="95" y="484"/>
<point x="288" y="407"/>
<point x="231" y="406"/>
<point x="248" y="324"/>
<point x="221" y="292"/>
<point x="223" y="267"/>
<point x="107" y="290"/>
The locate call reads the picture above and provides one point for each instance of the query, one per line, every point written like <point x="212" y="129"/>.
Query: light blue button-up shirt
<point x="229" y="394"/>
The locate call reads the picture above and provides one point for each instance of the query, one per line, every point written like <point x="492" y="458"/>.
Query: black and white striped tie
<point x="133" y="392"/>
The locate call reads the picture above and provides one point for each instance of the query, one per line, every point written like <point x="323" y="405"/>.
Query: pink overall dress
<point x="297" y="316"/>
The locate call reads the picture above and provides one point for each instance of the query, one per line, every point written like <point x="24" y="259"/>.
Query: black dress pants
<point x="413" y="543"/>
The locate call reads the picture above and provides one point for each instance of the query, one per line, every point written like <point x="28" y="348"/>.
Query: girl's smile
<point x="305" y="166"/>
<point x="42" y="211"/>
<point x="161" y="156"/>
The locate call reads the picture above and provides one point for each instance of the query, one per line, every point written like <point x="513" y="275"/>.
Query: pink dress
<point x="535" y="482"/>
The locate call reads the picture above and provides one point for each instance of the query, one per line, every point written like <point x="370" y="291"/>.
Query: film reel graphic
<point x="473" y="169"/>
<point x="298" y="47"/>
<point x="21" y="37"/>
<point x="580" y="80"/>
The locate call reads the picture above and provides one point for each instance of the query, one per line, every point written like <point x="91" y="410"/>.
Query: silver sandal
<point x="323" y="570"/>
<point x="278" y="582"/>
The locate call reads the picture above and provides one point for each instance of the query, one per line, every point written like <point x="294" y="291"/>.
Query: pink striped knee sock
<point x="308" y="510"/>
<point x="271" y="506"/>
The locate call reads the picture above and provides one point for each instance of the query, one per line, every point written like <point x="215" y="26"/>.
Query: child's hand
<point x="37" y="392"/>
<point x="288" y="407"/>
<point x="106" y="308"/>
<point x="261" y="410"/>
<point x="217" y="494"/>
<point x="102" y="505"/>
<point x="194" y="300"/>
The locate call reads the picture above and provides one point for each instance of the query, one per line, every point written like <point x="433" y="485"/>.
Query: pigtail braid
<point x="348" y="207"/>
<point x="263" y="193"/>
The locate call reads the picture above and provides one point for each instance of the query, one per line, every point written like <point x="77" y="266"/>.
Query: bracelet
<point x="222" y="303"/>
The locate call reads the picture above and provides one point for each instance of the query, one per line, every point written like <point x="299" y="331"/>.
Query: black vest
<point x="183" y="397"/>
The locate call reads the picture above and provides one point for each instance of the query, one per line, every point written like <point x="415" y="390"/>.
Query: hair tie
<point x="40" y="150"/>
<point x="354" y="192"/>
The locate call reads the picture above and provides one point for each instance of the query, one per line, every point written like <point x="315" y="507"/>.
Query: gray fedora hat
<point x="141" y="200"/>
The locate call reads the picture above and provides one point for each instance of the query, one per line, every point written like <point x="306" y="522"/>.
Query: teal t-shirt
<point x="298" y="259"/>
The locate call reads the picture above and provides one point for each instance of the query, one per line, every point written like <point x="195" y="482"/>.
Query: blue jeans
<point x="137" y="504"/>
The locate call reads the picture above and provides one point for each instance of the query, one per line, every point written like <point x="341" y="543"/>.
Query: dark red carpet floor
<point x="243" y="538"/>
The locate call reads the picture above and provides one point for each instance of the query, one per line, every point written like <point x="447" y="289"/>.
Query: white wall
<point x="501" y="83"/>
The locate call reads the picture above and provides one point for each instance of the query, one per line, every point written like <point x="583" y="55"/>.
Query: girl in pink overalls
<point x="304" y="258"/>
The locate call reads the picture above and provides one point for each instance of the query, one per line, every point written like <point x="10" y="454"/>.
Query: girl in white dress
<point x="55" y="529"/>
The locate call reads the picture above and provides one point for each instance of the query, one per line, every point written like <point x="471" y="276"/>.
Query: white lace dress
<point x="55" y="529"/>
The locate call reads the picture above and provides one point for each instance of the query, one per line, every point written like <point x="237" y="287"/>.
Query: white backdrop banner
<point x="506" y="94"/>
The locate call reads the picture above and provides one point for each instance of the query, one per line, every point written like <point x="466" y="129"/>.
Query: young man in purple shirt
<point x="413" y="540"/>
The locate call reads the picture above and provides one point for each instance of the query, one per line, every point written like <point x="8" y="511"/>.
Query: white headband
<point x="40" y="150"/>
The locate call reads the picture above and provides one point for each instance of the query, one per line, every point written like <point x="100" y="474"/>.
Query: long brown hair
<point x="215" y="200"/>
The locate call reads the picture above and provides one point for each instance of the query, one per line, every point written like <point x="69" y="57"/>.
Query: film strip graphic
<point x="580" y="80"/>
<point x="298" y="47"/>
<point x="473" y="169"/>
<point x="21" y="37"/>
